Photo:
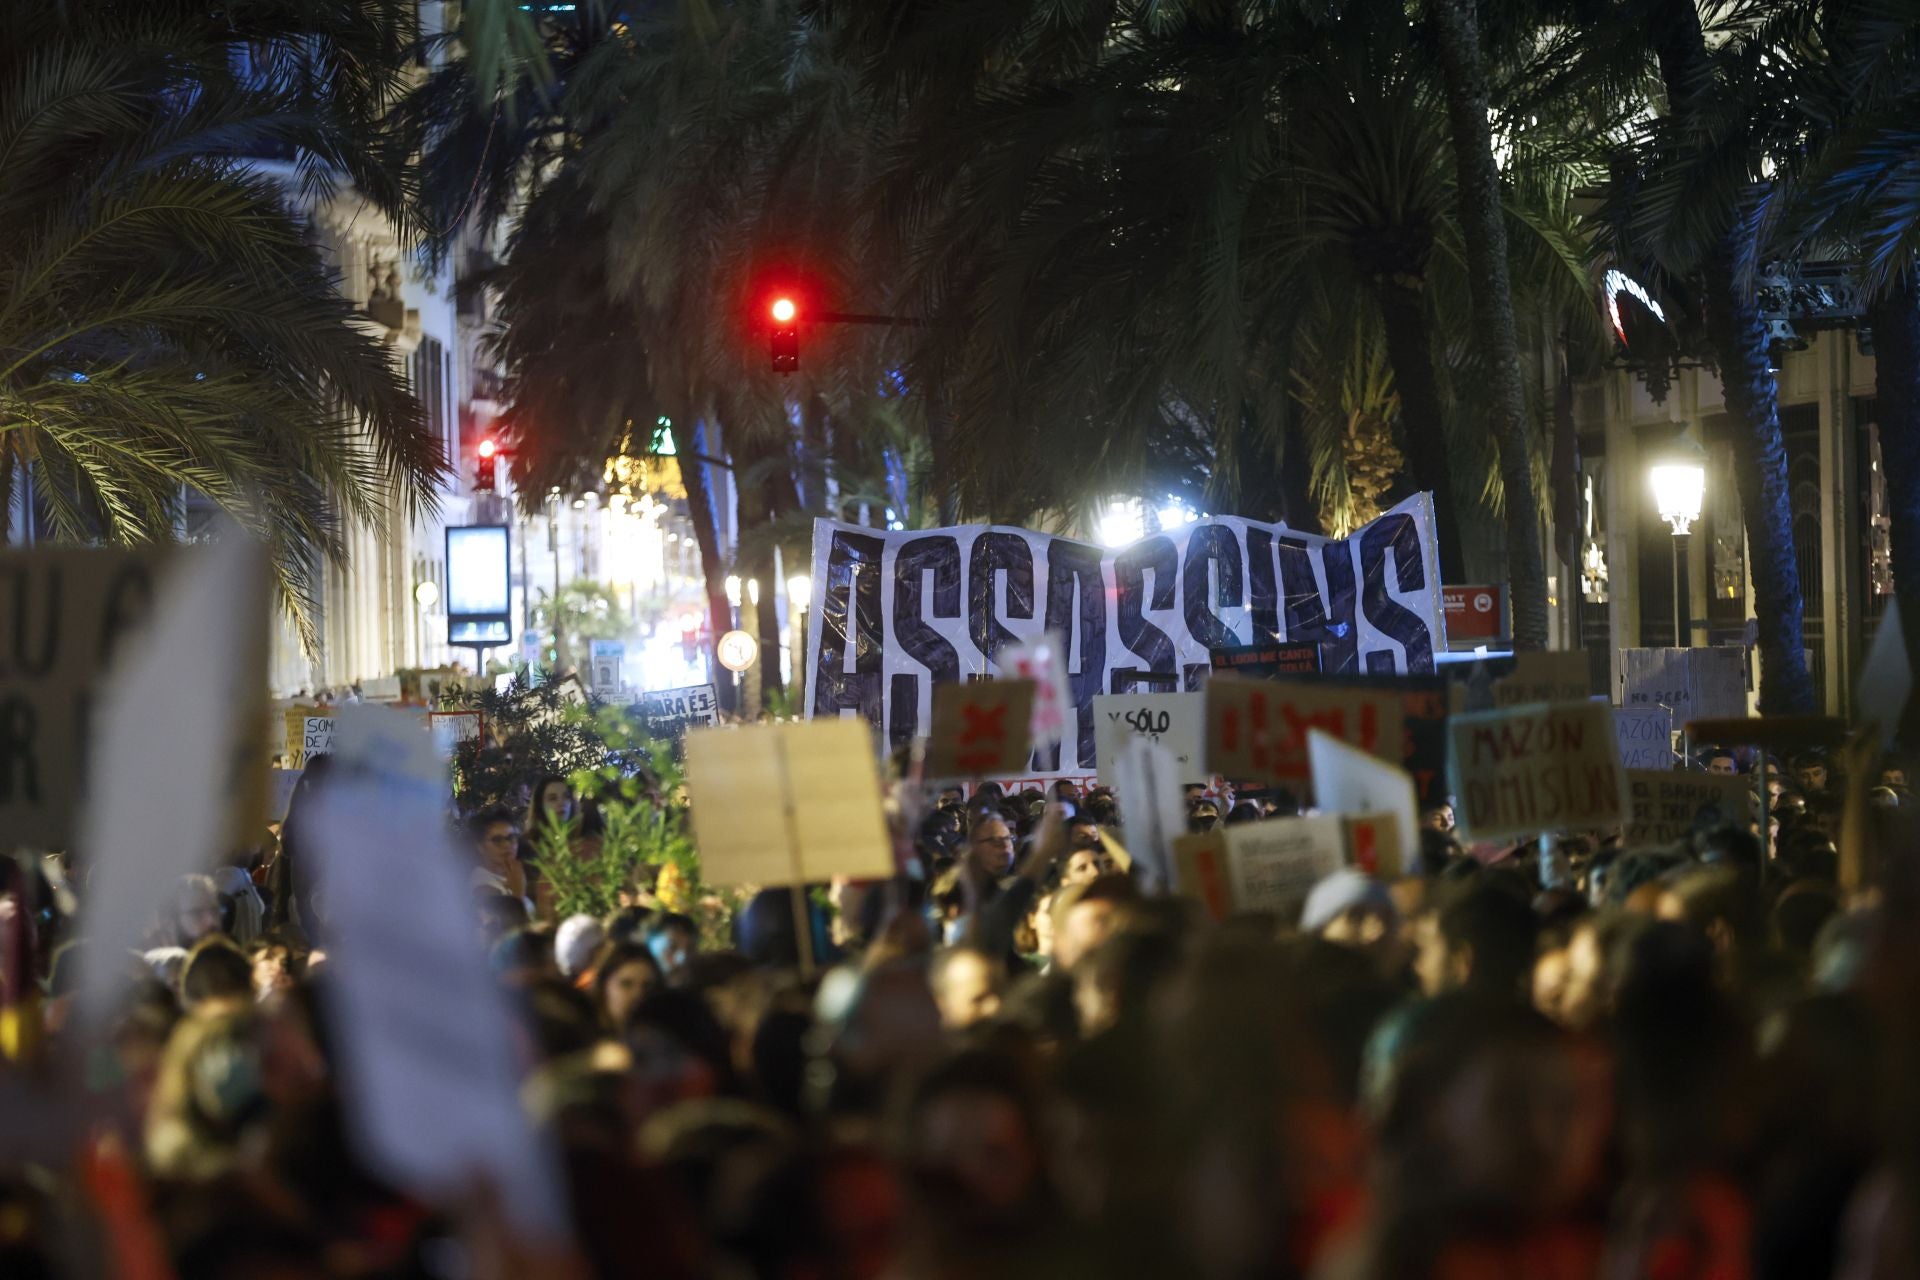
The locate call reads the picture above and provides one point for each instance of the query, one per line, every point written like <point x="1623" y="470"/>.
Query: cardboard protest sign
<point x="1645" y="736"/>
<point x="169" y="756"/>
<point x="425" y="1036"/>
<point x="451" y="728"/>
<point x="1355" y="784"/>
<point x="1553" y="767"/>
<point x="1260" y="661"/>
<point x="64" y="612"/>
<point x="1148" y="782"/>
<point x="1692" y="683"/>
<point x="695" y="704"/>
<point x="316" y="737"/>
<point x="1519" y="679"/>
<point x="1044" y="661"/>
<point x="980" y="729"/>
<point x="790" y="803"/>
<point x="1669" y="804"/>
<point x="1257" y="729"/>
<point x="1273" y="865"/>
<point x="1176" y="721"/>
<point x="1200" y="872"/>
<point x="1376" y="845"/>
<point x="1423" y="720"/>
<point x="897" y="614"/>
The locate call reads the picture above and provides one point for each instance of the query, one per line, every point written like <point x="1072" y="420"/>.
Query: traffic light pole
<point x="861" y="317"/>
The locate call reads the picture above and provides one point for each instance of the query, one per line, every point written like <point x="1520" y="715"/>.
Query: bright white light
<point x="1122" y="523"/>
<point x="1678" y="490"/>
<point x="753" y="590"/>
<point x="1175" y="516"/>
<point x="799" y="591"/>
<point x="733" y="590"/>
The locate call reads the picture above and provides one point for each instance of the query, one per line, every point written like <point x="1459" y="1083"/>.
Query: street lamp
<point x="1679" y="486"/>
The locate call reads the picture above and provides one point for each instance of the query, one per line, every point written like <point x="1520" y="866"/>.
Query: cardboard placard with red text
<point x="981" y="729"/>
<point x="1548" y="767"/>
<point x="1257" y="729"/>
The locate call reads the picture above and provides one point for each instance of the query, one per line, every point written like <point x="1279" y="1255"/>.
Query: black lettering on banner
<point x="995" y="552"/>
<point x="1263" y="601"/>
<point x="1398" y="533"/>
<point x="1211" y="543"/>
<point x="939" y="555"/>
<point x="1312" y="619"/>
<point x="1073" y="574"/>
<point x="1149" y="642"/>
<point x="850" y="619"/>
<point x="28" y="658"/>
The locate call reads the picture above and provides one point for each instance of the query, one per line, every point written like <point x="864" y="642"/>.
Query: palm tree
<point x="1687" y="199"/>
<point x="165" y="325"/>
<point x="1849" y="186"/>
<point x="1456" y="25"/>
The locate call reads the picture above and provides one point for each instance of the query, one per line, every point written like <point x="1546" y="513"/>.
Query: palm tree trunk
<point x="1895" y="317"/>
<point x="1739" y="341"/>
<point x="1403" y="314"/>
<point x="1482" y="222"/>
<point x="705" y="513"/>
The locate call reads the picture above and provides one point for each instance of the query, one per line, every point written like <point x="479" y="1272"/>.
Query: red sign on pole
<point x="1472" y="612"/>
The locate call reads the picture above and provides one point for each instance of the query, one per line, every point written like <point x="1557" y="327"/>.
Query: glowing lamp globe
<point x="783" y="310"/>
<point x="1679" y="487"/>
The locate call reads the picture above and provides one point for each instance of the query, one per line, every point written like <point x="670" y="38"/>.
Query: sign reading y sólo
<point x="895" y="614"/>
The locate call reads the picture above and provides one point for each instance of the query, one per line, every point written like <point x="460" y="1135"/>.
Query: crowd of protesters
<point x="1561" y="1059"/>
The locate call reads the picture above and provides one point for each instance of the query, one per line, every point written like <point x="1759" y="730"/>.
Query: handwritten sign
<point x="1552" y="767"/>
<point x="1694" y="684"/>
<point x="1176" y="721"/>
<point x="1273" y="865"/>
<point x="699" y="703"/>
<point x="1645" y="735"/>
<point x="980" y="729"/>
<point x="64" y="612"/>
<point x="1358" y="785"/>
<point x="451" y="728"/>
<point x="1669" y="805"/>
<point x="1257" y="729"/>
<point x="788" y="803"/>
<point x="316" y="737"/>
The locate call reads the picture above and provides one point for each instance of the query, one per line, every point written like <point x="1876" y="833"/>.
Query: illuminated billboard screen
<point x="479" y="595"/>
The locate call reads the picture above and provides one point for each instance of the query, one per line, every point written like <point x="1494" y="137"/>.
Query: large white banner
<point x="893" y="614"/>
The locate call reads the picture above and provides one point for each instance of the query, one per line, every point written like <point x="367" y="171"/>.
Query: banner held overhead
<point x="896" y="613"/>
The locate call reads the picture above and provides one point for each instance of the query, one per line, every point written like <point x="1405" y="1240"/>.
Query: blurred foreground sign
<point x="787" y="803"/>
<point x="63" y="611"/>
<point x="1358" y="785"/>
<point x="1552" y="767"/>
<point x="981" y="729"/>
<point x="171" y="757"/>
<point x="1670" y="805"/>
<point x="428" y="1077"/>
<point x="1257" y="729"/>
<point x="1261" y="866"/>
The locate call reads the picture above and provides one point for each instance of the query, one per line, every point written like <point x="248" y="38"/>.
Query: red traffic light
<point x="783" y="310"/>
<point x="487" y="447"/>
